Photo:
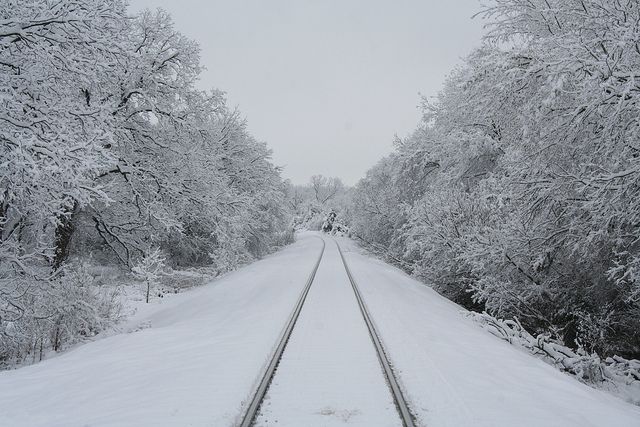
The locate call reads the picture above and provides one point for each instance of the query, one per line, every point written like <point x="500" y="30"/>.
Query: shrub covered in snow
<point x="54" y="314"/>
<point x="149" y="271"/>
<point x="615" y="374"/>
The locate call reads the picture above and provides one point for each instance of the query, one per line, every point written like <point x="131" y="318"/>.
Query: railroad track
<point x="398" y="398"/>
<point x="254" y="405"/>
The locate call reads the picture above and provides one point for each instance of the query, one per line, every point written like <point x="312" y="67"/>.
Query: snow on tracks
<point x="398" y="397"/>
<point x="330" y="373"/>
<point x="258" y="396"/>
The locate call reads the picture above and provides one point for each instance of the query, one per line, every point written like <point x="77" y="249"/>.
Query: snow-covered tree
<point x="108" y="149"/>
<point x="519" y="191"/>
<point x="149" y="270"/>
<point x="311" y="203"/>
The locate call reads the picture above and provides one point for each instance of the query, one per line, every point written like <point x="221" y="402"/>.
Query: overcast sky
<point x="327" y="83"/>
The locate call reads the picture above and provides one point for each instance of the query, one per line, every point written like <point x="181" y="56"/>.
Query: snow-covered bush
<point x="334" y="225"/>
<point x="615" y="374"/>
<point x="149" y="270"/>
<point x="56" y="313"/>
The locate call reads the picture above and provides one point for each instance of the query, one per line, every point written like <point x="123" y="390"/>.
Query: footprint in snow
<point x="343" y="414"/>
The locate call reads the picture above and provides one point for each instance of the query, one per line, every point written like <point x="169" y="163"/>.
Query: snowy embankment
<point x="190" y="361"/>
<point x="455" y="373"/>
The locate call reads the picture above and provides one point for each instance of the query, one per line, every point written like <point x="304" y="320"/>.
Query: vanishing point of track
<point x="398" y="398"/>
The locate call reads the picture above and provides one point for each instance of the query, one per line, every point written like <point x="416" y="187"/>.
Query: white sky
<point x="327" y="83"/>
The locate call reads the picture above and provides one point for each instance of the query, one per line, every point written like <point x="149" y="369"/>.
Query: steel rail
<point x="398" y="398"/>
<point x="261" y="391"/>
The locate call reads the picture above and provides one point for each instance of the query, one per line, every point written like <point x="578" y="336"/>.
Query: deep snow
<point x="194" y="359"/>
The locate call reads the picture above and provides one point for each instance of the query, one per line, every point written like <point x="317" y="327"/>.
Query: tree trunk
<point x="64" y="232"/>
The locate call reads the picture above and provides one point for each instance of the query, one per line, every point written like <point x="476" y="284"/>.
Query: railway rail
<point x="398" y="398"/>
<point x="263" y="386"/>
<point x="400" y="402"/>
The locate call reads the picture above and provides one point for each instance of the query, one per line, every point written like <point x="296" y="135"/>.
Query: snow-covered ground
<point x="455" y="373"/>
<point x="192" y="362"/>
<point x="195" y="359"/>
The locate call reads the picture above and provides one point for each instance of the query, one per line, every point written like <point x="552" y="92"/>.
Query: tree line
<point x="519" y="191"/>
<point x="109" y="150"/>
